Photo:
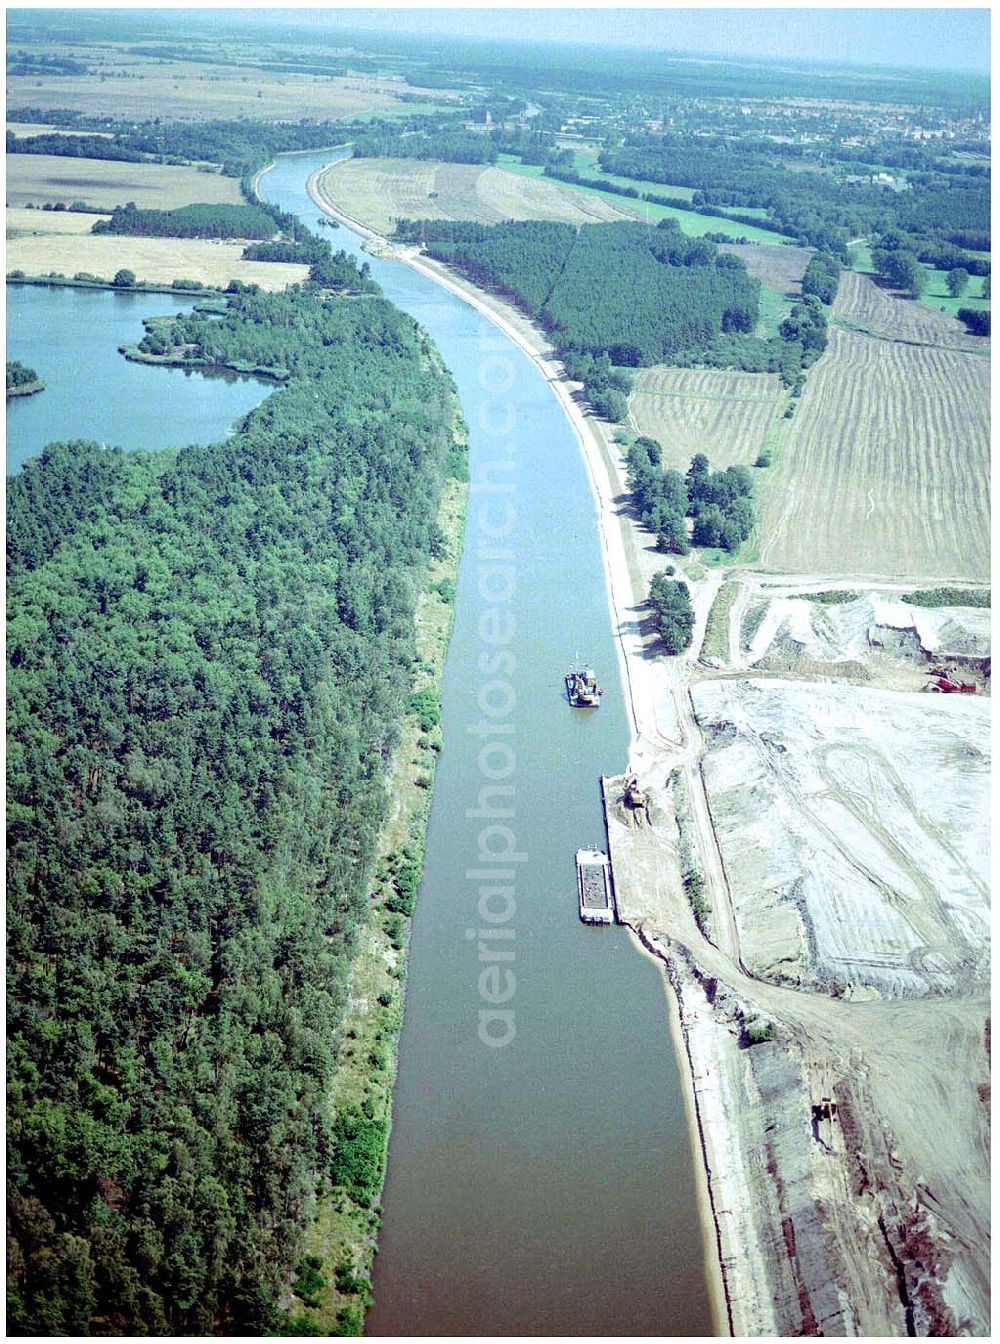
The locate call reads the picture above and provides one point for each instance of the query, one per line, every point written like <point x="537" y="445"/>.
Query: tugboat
<point x="582" y="688"/>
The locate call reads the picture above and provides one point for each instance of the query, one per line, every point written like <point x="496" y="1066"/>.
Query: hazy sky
<point x="956" y="39"/>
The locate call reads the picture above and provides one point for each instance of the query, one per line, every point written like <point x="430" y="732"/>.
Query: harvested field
<point x="41" y="178"/>
<point x="863" y="304"/>
<point x="689" y="222"/>
<point x="885" y="470"/>
<point x="192" y="91"/>
<point x="779" y="268"/>
<point x="46" y="223"/>
<point x="719" y="412"/>
<point x="156" y="260"/>
<point x="23" y="130"/>
<point x="379" y="191"/>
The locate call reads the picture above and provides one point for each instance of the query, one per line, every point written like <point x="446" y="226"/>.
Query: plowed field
<point x="724" y="414"/>
<point x="885" y="470"/>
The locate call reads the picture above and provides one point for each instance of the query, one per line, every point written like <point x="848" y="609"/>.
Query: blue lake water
<point x="70" y="337"/>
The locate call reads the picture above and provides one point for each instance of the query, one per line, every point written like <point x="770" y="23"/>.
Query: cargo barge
<point x="593" y="880"/>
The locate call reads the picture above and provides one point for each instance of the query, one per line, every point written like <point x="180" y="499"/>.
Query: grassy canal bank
<point x="334" y="1284"/>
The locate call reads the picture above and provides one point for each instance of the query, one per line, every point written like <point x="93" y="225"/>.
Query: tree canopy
<point x="671" y="604"/>
<point x="189" y="221"/>
<point x="623" y="290"/>
<point x="209" y="652"/>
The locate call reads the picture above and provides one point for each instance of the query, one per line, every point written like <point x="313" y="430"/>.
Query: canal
<point x="544" y="1186"/>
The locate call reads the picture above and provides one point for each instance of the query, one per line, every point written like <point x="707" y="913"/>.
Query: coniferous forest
<point x="190" y="221"/>
<point x="634" y="293"/>
<point x="209" y="654"/>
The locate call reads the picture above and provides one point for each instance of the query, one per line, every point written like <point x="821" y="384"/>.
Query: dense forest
<point x="38" y="63"/>
<point x="634" y="293"/>
<point x="627" y="294"/>
<point x="239" y="147"/>
<point x="820" y="209"/>
<point x="189" y="221"/>
<point x="209" y="651"/>
<point x="72" y="146"/>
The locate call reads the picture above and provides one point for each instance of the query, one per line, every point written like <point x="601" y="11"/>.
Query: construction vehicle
<point x="636" y="800"/>
<point x="582" y="688"/>
<point x="946" y="686"/>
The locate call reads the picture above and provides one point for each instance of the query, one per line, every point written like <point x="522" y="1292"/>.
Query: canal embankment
<point x="647" y="701"/>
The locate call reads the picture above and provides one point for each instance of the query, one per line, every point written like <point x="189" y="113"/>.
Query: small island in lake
<point x="22" y="381"/>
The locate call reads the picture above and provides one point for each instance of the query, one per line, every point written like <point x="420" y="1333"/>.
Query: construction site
<point x="801" y="840"/>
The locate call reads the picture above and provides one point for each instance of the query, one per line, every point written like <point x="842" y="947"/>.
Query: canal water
<point x="70" y="337"/>
<point x="544" y="1186"/>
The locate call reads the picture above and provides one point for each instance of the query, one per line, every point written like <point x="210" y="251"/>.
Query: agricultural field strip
<point x="700" y="396"/>
<point x="23" y="130"/>
<point x="379" y="191"/>
<point x="49" y="223"/>
<point x="870" y="480"/>
<point x="155" y="260"/>
<point x="724" y="413"/>
<point x="779" y="267"/>
<point x="861" y="303"/>
<point x="690" y="222"/>
<point x="43" y="178"/>
<point x="143" y="89"/>
<point x="980" y="350"/>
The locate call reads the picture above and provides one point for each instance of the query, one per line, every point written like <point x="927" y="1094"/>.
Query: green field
<point x="936" y="294"/>
<point x="690" y="223"/>
<point x="861" y="259"/>
<point x="586" y="163"/>
<point x="774" y="308"/>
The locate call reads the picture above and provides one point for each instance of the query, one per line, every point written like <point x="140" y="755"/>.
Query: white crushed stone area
<point x="853" y="825"/>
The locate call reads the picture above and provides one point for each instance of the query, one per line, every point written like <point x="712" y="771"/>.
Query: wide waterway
<point x="70" y="337"/>
<point x="545" y="1186"/>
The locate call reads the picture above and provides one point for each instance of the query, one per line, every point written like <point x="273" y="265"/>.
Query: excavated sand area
<point x="853" y="825"/>
<point x="876" y="636"/>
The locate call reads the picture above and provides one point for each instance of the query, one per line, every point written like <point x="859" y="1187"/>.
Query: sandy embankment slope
<point x="875" y="1223"/>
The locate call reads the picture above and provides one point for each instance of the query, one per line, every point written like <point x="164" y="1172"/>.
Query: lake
<point x="70" y="337"/>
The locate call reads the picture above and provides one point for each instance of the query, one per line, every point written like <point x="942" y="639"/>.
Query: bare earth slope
<point x="852" y="826"/>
